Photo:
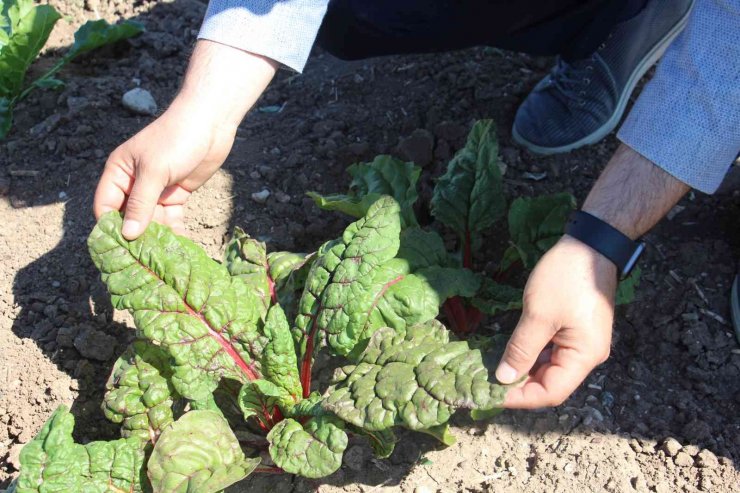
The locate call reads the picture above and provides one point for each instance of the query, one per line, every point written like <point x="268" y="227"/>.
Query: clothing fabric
<point x="687" y="120"/>
<point x="283" y="30"/>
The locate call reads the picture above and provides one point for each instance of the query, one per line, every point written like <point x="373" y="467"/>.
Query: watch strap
<point x="605" y="239"/>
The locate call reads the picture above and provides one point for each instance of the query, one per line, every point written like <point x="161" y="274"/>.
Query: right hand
<point x="151" y="175"/>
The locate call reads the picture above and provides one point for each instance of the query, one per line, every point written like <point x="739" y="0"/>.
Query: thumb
<point x="524" y="347"/>
<point x="141" y="202"/>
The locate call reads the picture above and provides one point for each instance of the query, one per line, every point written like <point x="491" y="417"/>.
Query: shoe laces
<point x="571" y="78"/>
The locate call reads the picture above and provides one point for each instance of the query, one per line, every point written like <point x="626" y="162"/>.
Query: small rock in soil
<point x="139" y="101"/>
<point x="418" y="147"/>
<point x="692" y="450"/>
<point x="683" y="459"/>
<point x="46" y="126"/>
<point x="707" y="459"/>
<point x="77" y="103"/>
<point x="94" y="344"/>
<point x="66" y="336"/>
<point x="282" y="197"/>
<point x="671" y="447"/>
<point x="14" y="456"/>
<point x="510" y="155"/>
<point x="261" y="197"/>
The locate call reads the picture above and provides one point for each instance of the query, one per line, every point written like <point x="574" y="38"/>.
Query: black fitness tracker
<point x="605" y="239"/>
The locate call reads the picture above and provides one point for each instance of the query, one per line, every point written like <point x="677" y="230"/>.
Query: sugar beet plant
<point x="24" y="30"/>
<point x="218" y="384"/>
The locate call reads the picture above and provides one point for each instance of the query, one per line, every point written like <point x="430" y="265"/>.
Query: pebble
<point x="94" y="344"/>
<point x="707" y="459"/>
<point x="683" y="459"/>
<point x="671" y="447"/>
<point x="139" y="101"/>
<point x="14" y="456"/>
<point x="692" y="450"/>
<point x="261" y="197"/>
<point x="282" y="197"/>
<point x="77" y="103"/>
<point x="66" y="336"/>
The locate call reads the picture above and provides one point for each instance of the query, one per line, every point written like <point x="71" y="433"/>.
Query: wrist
<point x="222" y="83"/>
<point x="585" y="255"/>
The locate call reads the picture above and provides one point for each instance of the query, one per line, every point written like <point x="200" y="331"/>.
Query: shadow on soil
<point x="673" y="370"/>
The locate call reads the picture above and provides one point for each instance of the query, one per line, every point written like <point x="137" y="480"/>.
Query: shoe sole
<point x="648" y="61"/>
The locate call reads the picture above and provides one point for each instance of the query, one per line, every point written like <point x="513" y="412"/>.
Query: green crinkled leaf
<point x="485" y="414"/>
<point x="417" y="296"/>
<point x="423" y="249"/>
<point x="95" y="34"/>
<point x="198" y="453"/>
<point x="282" y="265"/>
<point x="342" y="286"/>
<point x="28" y="28"/>
<point x="312" y="450"/>
<point x="289" y="272"/>
<point x="52" y="462"/>
<point x="279" y="363"/>
<point x="184" y="302"/>
<point x="442" y="433"/>
<point x="469" y="197"/>
<point x="535" y="225"/>
<point x="254" y="403"/>
<point x="138" y="393"/>
<point x="385" y="175"/>
<point x="246" y="258"/>
<point x="627" y="288"/>
<point x="414" y="378"/>
<point x="493" y="297"/>
<point x="380" y="291"/>
<point x="310" y="406"/>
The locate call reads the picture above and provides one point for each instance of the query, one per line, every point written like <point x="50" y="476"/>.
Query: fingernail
<point x="130" y="228"/>
<point x="505" y="373"/>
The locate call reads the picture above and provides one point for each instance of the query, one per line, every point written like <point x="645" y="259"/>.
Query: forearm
<point x="633" y="194"/>
<point x="221" y="84"/>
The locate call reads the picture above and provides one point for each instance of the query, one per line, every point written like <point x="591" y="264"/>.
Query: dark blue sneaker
<point x="580" y="102"/>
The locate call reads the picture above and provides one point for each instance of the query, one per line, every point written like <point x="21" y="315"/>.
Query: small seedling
<point x="24" y="30"/>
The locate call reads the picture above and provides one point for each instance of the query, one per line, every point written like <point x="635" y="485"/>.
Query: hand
<point x="151" y="175"/>
<point x="569" y="302"/>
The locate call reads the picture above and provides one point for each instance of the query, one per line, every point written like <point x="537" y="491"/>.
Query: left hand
<point x="569" y="302"/>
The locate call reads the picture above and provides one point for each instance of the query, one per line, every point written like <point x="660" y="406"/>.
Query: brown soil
<point x="674" y="367"/>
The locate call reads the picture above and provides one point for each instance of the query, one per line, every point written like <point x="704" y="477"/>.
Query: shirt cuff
<point x="281" y="30"/>
<point x="687" y="119"/>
